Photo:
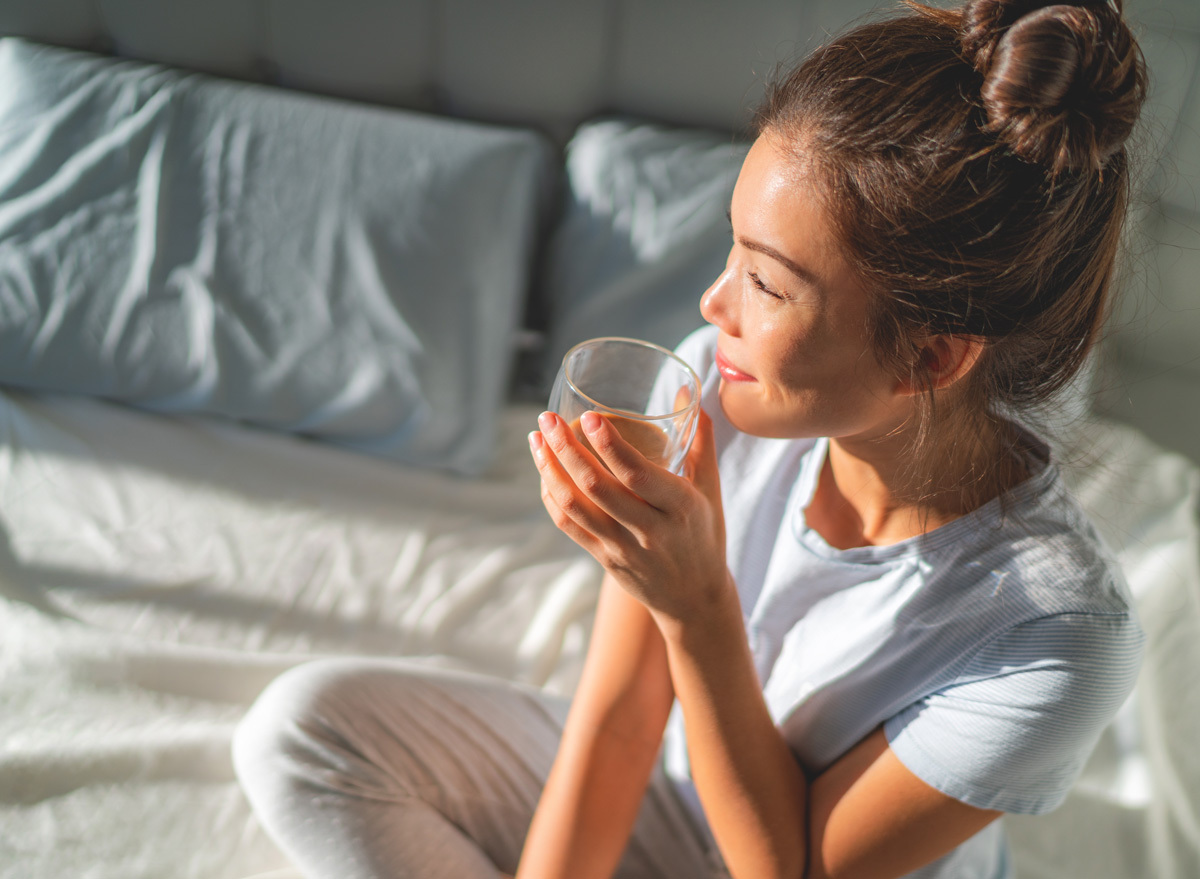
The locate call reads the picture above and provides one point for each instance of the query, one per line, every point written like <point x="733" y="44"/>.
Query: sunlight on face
<point x="794" y="350"/>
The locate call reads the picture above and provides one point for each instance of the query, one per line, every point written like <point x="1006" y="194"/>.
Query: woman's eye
<point x="758" y="282"/>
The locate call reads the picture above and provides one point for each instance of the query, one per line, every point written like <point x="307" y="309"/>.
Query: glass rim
<point x="625" y="413"/>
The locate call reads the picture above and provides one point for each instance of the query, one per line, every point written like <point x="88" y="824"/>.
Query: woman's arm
<point x="661" y="538"/>
<point x="752" y="789"/>
<point x="866" y="816"/>
<point x="608" y="749"/>
<point x="871" y="818"/>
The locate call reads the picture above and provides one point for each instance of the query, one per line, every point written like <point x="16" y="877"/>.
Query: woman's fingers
<point x="649" y="482"/>
<point x="567" y="525"/>
<point x="594" y="478"/>
<point x="573" y="513"/>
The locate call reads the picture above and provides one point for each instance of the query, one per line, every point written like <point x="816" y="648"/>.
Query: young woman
<point x="869" y="618"/>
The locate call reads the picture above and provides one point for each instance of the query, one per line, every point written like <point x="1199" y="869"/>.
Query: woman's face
<point x="794" y="351"/>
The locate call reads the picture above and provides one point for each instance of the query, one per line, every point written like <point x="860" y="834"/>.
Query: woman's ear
<point x="944" y="359"/>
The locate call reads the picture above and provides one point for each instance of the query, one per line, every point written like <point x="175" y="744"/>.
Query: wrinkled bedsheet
<point x="156" y="573"/>
<point x="160" y="571"/>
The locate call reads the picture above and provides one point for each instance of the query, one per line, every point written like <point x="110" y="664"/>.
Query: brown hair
<point x="974" y="165"/>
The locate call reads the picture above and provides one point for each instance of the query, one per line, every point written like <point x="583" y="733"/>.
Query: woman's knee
<point x="337" y="724"/>
<point x="272" y="736"/>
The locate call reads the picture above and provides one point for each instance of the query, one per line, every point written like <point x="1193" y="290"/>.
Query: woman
<point x="863" y="648"/>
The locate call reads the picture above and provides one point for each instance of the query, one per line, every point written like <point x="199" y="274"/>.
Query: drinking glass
<point x="646" y="392"/>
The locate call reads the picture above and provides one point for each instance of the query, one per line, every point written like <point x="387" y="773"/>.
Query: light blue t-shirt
<point x="993" y="649"/>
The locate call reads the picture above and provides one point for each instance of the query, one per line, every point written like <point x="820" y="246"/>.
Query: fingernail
<point x="546" y="420"/>
<point x="590" y="421"/>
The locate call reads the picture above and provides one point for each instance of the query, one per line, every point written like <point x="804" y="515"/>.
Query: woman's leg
<point x="362" y="769"/>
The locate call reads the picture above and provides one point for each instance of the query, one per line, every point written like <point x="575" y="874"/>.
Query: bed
<point x="282" y="284"/>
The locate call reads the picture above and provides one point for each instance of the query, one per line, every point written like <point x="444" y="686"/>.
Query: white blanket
<point x="158" y="572"/>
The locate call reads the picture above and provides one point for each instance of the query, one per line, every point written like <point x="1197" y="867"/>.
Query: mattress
<point x="157" y="572"/>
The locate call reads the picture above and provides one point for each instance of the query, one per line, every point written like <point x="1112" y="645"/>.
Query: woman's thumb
<point x="702" y="459"/>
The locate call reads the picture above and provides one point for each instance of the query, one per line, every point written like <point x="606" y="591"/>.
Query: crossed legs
<point x="363" y="769"/>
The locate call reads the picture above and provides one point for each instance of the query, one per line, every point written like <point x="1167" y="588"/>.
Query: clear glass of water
<point x="645" y="391"/>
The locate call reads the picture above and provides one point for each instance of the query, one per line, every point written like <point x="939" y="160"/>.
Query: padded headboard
<point x="548" y="63"/>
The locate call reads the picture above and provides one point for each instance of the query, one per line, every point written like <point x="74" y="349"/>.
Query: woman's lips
<point x="731" y="373"/>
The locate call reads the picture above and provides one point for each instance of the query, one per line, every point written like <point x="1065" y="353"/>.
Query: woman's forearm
<point x="662" y="540"/>
<point x="609" y="747"/>
<point x="753" y="790"/>
<point x="588" y="807"/>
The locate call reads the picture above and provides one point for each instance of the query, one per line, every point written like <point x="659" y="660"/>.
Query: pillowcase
<point x="186" y="244"/>
<point x="644" y="233"/>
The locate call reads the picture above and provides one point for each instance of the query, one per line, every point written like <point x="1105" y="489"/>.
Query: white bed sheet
<point x="158" y="572"/>
<point x="164" y="570"/>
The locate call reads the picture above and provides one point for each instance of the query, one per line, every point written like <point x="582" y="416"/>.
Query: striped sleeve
<point x="1014" y="729"/>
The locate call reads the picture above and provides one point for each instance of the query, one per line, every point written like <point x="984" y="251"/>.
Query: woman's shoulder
<point x="1050" y="649"/>
<point x="1038" y="549"/>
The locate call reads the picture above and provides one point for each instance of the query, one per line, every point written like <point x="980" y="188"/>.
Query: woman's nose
<point x="716" y="305"/>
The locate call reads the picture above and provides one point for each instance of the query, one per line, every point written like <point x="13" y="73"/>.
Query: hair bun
<point x="1062" y="84"/>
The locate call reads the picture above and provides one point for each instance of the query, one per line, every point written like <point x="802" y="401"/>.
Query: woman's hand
<point x="661" y="536"/>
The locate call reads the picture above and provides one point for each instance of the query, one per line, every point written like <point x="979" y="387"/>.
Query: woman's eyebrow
<point x="792" y="266"/>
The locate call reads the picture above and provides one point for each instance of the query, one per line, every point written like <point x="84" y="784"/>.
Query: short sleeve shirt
<point x="993" y="650"/>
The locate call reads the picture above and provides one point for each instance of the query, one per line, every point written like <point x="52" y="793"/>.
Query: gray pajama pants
<point x="362" y="769"/>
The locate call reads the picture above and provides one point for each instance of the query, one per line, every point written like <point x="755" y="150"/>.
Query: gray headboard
<point x="549" y="63"/>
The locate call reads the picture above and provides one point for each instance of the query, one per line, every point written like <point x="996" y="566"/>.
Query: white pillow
<point x="188" y="244"/>
<point x="643" y="235"/>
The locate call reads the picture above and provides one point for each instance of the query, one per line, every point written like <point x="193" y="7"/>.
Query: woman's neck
<point x="872" y="494"/>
